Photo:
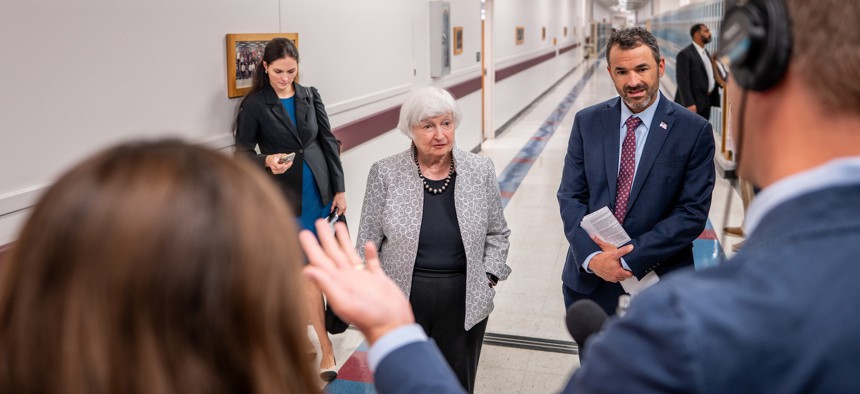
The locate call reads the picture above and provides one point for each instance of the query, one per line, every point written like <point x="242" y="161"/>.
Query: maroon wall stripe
<point x="567" y="48"/>
<point x="369" y="127"/>
<point x="362" y="130"/>
<point x="510" y="71"/>
<point x="462" y="89"/>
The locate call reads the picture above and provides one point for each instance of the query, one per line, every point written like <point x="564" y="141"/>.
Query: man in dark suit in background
<point x="779" y="317"/>
<point x="646" y="158"/>
<point x="697" y="87"/>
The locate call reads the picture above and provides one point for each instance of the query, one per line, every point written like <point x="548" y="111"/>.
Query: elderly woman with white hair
<point x="435" y="214"/>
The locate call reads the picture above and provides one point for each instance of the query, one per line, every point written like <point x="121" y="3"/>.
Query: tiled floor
<point x="529" y="303"/>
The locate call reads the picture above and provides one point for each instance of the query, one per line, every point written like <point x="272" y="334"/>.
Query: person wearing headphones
<point x="781" y="315"/>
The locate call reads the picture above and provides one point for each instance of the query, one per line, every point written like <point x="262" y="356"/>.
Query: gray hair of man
<point x="425" y="103"/>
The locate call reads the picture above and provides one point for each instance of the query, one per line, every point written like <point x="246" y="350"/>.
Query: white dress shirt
<point x="709" y="68"/>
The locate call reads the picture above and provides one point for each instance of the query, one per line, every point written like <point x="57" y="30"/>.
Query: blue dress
<point x="312" y="205"/>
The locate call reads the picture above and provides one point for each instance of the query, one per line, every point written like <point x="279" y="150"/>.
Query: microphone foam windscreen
<point x="584" y="318"/>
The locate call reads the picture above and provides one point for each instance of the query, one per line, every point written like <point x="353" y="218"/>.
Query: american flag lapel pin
<point x="663" y="125"/>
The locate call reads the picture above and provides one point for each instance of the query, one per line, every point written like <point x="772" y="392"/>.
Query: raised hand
<point x="358" y="293"/>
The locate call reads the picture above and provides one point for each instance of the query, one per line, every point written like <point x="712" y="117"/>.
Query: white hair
<point x="425" y="103"/>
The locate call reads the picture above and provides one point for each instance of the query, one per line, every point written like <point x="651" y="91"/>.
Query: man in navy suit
<point x="697" y="84"/>
<point x="646" y="158"/>
<point x="781" y="316"/>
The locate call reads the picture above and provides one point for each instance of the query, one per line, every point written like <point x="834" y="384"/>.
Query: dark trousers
<point x="606" y="295"/>
<point x="439" y="304"/>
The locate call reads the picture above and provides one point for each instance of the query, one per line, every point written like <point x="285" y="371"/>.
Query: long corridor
<point x="527" y="348"/>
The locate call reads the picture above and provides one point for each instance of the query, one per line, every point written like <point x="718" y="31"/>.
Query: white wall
<point x="357" y="161"/>
<point x="82" y="75"/>
<point x="601" y="13"/>
<point x="657" y="7"/>
<point x="358" y="54"/>
<point x="513" y="94"/>
<point x="85" y="74"/>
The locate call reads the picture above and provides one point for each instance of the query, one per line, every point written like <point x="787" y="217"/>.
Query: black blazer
<point x="263" y="122"/>
<point x="692" y="81"/>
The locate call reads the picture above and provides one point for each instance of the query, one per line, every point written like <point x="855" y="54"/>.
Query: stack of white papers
<point x="602" y="224"/>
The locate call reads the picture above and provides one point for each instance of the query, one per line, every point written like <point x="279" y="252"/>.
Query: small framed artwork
<point x="458" y="40"/>
<point x="244" y="53"/>
<point x="565" y="31"/>
<point x="520" y="35"/>
<point x="543" y="33"/>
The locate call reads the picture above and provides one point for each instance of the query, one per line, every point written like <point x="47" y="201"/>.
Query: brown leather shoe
<point x="737" y="231"/>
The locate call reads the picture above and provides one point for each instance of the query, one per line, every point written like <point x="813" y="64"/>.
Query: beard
<point x="639" y="103"/>
<point x="706" y="39"/>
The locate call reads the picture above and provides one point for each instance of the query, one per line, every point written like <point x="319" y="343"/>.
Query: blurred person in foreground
<point x="779" y="317"/>
<point x="435" y="213"/>
<point x="156" y="267"/>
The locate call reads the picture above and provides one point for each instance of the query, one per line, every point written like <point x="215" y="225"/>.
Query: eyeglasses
<point x="429" y="127"/>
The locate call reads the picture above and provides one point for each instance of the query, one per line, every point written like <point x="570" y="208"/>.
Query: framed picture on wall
<point x="244" y="52"/>
<point x="565" y="31"/>
<point x="543" y="33"/>
<point x="520" y="35"/>
<point x="458" y="40"/>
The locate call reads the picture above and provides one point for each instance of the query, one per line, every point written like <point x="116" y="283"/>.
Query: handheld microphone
<point x="584" y="318"/>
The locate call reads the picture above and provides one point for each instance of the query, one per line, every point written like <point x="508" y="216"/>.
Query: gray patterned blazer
<point x="391" y="219"/>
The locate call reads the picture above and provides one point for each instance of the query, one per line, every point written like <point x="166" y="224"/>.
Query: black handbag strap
<point x="314" y="108"/>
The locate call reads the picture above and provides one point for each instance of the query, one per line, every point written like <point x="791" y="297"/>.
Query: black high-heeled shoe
<point x="329" y="374"/>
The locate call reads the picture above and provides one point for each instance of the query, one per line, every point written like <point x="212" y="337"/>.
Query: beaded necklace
<point x="433" y="191"/>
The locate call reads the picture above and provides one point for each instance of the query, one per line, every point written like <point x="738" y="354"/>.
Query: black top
<point x="440" y="245"/>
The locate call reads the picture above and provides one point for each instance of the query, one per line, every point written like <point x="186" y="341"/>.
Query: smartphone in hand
<point x="288" y="158"/>
<point x="332" y="218"/>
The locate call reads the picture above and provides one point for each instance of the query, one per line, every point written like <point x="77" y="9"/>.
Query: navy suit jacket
<point x="779" y="317"/>
<point x="669" y="199"/>
<point x="416" y="368"/>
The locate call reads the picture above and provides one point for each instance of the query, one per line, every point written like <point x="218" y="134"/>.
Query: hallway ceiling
<point x="629" y="5"/>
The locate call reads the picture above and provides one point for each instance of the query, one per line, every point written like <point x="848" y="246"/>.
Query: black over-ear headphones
<point x="755" y="41"/>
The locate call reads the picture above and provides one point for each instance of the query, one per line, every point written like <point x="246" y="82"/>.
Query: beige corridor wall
<point x="81" y="75"/>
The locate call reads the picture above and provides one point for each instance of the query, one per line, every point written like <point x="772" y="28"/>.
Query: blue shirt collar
<point x="646" y="116"/>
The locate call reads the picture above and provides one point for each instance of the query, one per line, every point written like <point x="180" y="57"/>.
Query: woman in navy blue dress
<point x="289" y="125"/>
